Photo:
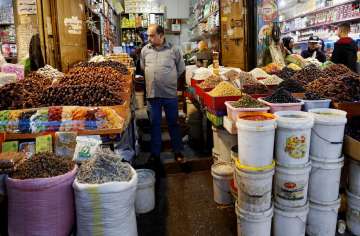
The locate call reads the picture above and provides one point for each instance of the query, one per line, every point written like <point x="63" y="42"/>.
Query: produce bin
<point x="275" y="107"/>
<point x="194" y="82"/>
<point x="200" y="92"/>
<point x="313" y="104"/>
<point x="217" y="121"/>
<point x="217" y="104"/>
<point x="233" y="112"/>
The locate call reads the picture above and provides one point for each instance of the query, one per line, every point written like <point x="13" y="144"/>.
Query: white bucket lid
<point x="353" y="200"/>
<point x="292" y="211"/>
<point x="222" y="169"/>
<point x="254" y="216"/>
<point x="294" y="170"/>
<point x="146" y="177"/>
<point x="294" y="120"/>
<point x="328" y="164"/>
<point x="327" y="116"/>
<point x="324" y="206"/>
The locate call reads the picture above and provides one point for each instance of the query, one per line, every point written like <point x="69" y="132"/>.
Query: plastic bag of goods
<point x="40" y="197"/>
<point x="14" y="68"/>
<point x="296" y="59"/>
<point x="86" y="147"/>
<point x="105" y="190"/>
<point x="190" y="73"/>
<point x="7" y="78"/>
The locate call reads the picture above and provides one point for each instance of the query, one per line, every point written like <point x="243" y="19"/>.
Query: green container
<point x="217" y="121"/>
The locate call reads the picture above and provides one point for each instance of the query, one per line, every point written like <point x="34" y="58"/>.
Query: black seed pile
<point x="281" y="96"/>
<point x="293" y="86"/>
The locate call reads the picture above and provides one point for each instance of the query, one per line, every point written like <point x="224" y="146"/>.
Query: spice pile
<point x="342" y="88"/>
<point x="42" y="165"/>
<point x="211" y="82"/>
<point x="259" y="73"/>
<point x="308" y="74"/>
<point x="271" y="80"/>
<point x="281" y="96"/>
<point x="247" y="79"/>
<point x="103" y="168"/>
<point x="225" y="89"/>
<point x="286" y="73"/>
<point x="247" y="102"/>
<point x="255" y="89"/>
<point x="232" y="75"/>
<point x="293" y="86"/>
<point x="50" y="72"/>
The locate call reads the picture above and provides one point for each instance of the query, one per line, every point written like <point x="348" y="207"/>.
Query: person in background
<point x="288" y="44"/>
<point x="345" y="49"/>
<point x="163" y="65"/>
<point x="35" y="54"/>
<point x="313" y="50"/>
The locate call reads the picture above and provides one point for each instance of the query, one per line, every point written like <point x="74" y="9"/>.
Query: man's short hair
<point x="160" y="30"/>
<point x="345" y="27"/>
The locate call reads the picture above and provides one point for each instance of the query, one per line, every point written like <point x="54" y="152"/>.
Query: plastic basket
<point x="200" y="92"/>
<point x="233" y="112"/>
<point x="313" y="104"/>
<point x="218" y="103"/>
<point x="217" y="121"/>
<point x="275" y="107"/>
<point x="194" y="82"/>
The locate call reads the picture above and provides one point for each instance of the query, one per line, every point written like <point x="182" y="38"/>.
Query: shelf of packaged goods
<point x="319" y="10"/>
<point x="5" y="24"/>
<point x="204" y="36"/>
<point x="324" y="24"/>
<point x="204" y="19"/>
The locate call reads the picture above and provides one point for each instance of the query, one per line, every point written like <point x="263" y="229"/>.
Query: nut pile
<point x="342" y="88"/>
<point x="50" y="72"/>
<point x="293" y="86"/>
<point x="43" y="165"/>
<point x="104" y="167"/>
<point x="225" y="89"/>
<point x="211" y="82"/>
<point x="247" y="102"/>
<point x="80" y="95"/>
<point x="308" y="74"/>
<point x="281" y="96"/>
<point x="113" y="64"/>
<point x="9" y="161"/>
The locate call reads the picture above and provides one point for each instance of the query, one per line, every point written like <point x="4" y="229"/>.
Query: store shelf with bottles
<point x="141" y="21"/>
<point x="325" y="17"/>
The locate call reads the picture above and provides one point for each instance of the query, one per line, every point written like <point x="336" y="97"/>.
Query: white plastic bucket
<point x="234" y="154"/>
<point x="222" y="175"/>
<point x="256" y="140"/>
<point x="253" y="224"/>
<point x="291" y="185"/>
<point x="328" y="133"/>
<point x="293" y="137"/>
<point x="216" y="147"/>
<point x="290" y="221"/>
<point x="324" y="180"/>
<point x="254" y="189"/>
<point x="354" y="177"/>
<point x="216" y="156"/>
<point x="139" y="98"/>
<point x="353" y="213"/>
<point x="145" y="192"/>
<point x="225" y="141"/>
<point x="322" y="219"/>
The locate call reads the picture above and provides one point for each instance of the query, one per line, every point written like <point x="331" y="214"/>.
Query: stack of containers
<point x="353" y="200"/>
<point x="254" y="173"/>
<point x="223" y="141"/>
<point x="327" y="161"/>
<point x="293" y="167"/>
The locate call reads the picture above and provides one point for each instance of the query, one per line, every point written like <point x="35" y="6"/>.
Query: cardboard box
<point x="352" y="148"/>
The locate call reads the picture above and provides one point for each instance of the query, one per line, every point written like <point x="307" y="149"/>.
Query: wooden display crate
<point x="352" y="148"/>
<point x="352" y="108"/>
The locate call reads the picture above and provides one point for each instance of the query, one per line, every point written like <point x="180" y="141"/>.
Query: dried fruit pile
<point x="211" y="82"/>
<point x="113" y="64"/>
<point x="342" y="88"/>
<point x="43" y="165"/>
<point x="293" y="86"/>
<point x="312" y="96"/>
<point x="336" y="70"/>
<point x="308" y="74"/>
<point x="255" y="89"/>
<point x="281" y="96"/>
<point x="286" y="73"/>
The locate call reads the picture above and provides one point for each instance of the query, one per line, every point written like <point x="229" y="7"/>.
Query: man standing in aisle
<point x="163" y="65"/>
<point x="345" y="49"/>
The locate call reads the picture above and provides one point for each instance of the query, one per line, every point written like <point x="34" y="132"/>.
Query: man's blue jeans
<point x="170" y="106"/>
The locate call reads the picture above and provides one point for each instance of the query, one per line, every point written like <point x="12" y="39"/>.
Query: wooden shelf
<point x="203" y="20"/>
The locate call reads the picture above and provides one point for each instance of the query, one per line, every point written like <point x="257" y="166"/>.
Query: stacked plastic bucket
<point x="327" y="161"/>
<point x="254" y="173"/>
<point x="353" y="198"/>
<point x="293" y="167"/>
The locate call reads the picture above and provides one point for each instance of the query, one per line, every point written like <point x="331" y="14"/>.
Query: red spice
<point x="256" y="117"/>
